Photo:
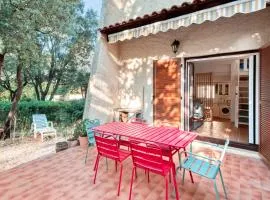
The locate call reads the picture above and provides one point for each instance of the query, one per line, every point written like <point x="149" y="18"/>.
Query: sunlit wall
<point x="123" y="72"/>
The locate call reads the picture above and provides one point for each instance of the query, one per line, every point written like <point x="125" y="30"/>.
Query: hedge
<point x="60" y="113"/>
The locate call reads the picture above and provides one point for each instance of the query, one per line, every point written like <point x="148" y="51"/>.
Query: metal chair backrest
<point x="107" y="146"/>
<point x="147" y="156"/>
<point x="40" y="120"/>
<point x="89" y="124"/>
<point x="224" y="149"/>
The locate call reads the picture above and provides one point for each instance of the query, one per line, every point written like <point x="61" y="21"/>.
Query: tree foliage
<point x="43" y="43"/>
<point x="63" y="56"/>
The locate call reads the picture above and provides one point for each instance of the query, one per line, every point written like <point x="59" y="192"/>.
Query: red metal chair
<point x="108" y="147"/>
<point x="149" y="157"/>
<point x="169" y="152"/>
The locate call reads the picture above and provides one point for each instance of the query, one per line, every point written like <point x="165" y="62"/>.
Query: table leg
<point x="174" y="180"/>
<point x="179" y="160"/>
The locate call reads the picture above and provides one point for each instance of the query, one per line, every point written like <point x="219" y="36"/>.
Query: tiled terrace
<point x="65" y="176"/>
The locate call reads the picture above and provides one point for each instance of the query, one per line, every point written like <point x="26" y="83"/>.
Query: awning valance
<point x="211" y="14"/>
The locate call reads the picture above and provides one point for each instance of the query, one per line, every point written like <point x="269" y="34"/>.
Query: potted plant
<point x="80" y="132"/>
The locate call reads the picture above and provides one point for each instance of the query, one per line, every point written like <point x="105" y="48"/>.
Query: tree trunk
<point x="1" y="63"/>
<point x="16" y="99"/>
<point x="84" y="91"/>
<point x="37" y="92"/>
<point x="43" y="96"/>
<point x="12" y="95"/>
<point x="55" y="89"/>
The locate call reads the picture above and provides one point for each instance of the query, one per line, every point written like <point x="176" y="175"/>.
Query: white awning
<point x="211" y="14"/>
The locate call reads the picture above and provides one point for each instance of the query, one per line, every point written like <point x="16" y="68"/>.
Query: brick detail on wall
<point x="167" y="99"/>
<point x="265" y="104"/>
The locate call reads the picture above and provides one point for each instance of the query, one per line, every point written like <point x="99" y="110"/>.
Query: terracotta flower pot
<point x="83" y="141"/>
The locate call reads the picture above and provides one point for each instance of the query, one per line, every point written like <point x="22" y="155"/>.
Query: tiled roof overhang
<point x="174" y="11"/>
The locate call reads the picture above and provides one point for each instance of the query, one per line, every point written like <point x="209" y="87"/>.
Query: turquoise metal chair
<point x="205" y="167"/>
<point x="89" y="124"/>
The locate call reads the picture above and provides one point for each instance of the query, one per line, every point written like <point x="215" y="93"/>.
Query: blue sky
<point x="94" y="4"/>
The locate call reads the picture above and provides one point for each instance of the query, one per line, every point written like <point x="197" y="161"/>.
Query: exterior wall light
<point x="175" y="46"/>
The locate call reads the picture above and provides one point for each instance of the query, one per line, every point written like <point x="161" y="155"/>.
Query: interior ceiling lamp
<point x="175" y="46"/>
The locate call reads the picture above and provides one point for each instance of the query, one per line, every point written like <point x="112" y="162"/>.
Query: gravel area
<point x="14" y="153"/>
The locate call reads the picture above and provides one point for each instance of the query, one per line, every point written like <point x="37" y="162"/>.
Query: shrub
<point x="80" y="129"/>
<point x="60" y="113"/>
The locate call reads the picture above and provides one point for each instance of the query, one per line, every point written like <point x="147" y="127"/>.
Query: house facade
<point x="215" y="83"/>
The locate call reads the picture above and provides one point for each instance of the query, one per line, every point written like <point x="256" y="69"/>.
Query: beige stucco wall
<point x="103" y="83"/>
<point x="242" y="32"/>
<point x="106" y="90"/>
<point x="122" y="10"/>
<point x="125" y="68"/>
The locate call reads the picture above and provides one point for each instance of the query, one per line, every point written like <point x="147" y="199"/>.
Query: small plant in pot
<point x="80" y="132"/>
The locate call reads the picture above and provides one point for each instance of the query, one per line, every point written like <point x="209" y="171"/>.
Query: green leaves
<point x="53" y="38"/>
<point x="61" y="113"/>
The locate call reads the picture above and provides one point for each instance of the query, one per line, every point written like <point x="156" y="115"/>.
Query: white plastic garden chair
<point x="42" y="126"/>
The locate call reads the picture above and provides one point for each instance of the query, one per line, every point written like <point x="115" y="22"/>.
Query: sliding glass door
<point x="189" y="94"/>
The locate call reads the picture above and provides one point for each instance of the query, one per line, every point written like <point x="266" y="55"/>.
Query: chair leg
<point x="120" y="179"/>
<point x="131" y="182"/>
<point x="115" y="166"/>
<point x="148" y="176"/>
<point x="175" y="187"/>
<point x="190" y="147"/>
<point x="86" y="155"/>
<point x="96" y="168"/>
<point x="223" y="185"/>
<point x="170" y="176"/>
<point x="183" y="177"/>
<point x="166" y="185"/>
<point x="190" y="174"/>
<point x="216" y="190"/>
<point x="136" y="173"/>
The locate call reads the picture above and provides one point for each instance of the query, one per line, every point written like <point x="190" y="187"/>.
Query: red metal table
<point x="172" y="138"/>
<point x="167" y="136"/>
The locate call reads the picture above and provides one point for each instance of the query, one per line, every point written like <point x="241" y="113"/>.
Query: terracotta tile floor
<point x="220" y="128"/>
<point x="65" y="176"/>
